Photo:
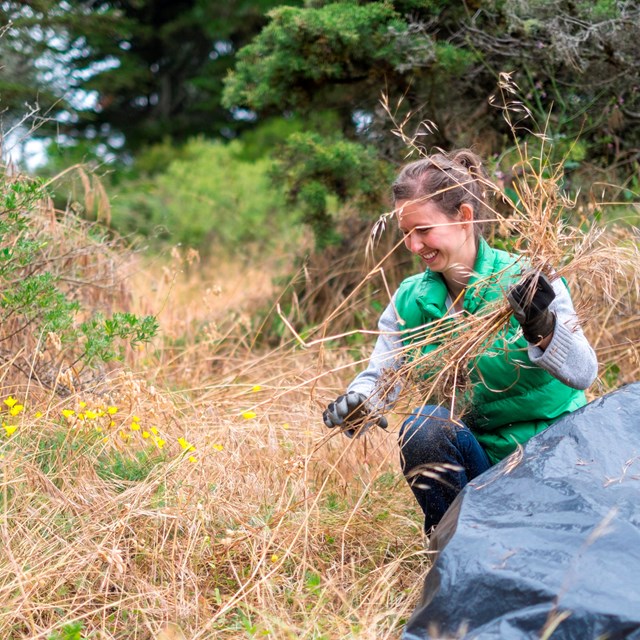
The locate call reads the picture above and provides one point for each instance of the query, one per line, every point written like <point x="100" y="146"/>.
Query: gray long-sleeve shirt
<point x="569" y="357"/>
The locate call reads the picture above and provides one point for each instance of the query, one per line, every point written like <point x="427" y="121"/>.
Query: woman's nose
<point x="415" y="244"/>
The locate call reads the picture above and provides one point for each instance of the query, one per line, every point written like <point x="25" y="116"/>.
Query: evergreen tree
<point x="145" y="69"/>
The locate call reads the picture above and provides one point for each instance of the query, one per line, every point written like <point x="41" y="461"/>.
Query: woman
<point x="532" y="374"/>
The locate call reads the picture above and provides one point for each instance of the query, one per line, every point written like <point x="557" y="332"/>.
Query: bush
<point x="210" y="199"/>
<point x="51" y="265"/>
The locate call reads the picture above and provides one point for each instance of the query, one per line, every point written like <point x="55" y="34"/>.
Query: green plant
<point x="38" y="313"/>
<point x="71" y="631"/>
<point x="209" y="198"/>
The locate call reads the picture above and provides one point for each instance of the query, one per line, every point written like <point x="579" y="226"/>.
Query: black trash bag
<point x="549" y="547"/>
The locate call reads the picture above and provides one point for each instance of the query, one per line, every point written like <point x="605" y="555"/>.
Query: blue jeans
<point x="429" y="438"/>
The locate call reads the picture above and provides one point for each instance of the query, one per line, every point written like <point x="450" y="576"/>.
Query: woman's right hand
<point x="350" y="412"/>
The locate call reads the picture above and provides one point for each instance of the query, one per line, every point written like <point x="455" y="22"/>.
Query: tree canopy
<point x="133" y="73"/>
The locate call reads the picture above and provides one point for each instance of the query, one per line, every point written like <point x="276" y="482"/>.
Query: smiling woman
<point x="446" y="244"/>
<point x="529" y="373"/>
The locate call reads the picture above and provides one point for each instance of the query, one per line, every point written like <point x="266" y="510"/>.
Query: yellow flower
<point x="98" y="429"/>
<point x="101" y="413"/>
<point x="193" y="459"/>
<point x="90" y="415"/>
<point x="135" y="418"/>
<point x="10" y="401"/>
<point x="81" y="416"/>
<point x="124" y="436"/>
<point x="38" y="414"/>
<point x="217" y="447"/>
<point x="112" y="424"/>
<point x="146" y="434"/>
<point x="186" y="445"/>
<point x="286" y="425"/>
<point x="67" y="413"/>
<point x="16" y="409"/>
<point x="82" y="404"/>
<point x="249" y="415"/>
<point x="154" y="431"/>
<point x="105" y="440"/>
<point x="274" y="558"/>
<point x="135" y="426"/>
<point x="256" y="388"/>
<point x="9" y="428"/>
<point x="112" y="410"/>
<point x="160" y="443"/>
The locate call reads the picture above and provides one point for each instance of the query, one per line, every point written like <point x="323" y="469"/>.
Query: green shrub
<point x="43" y="318"/>
<point x="210" y="199"/>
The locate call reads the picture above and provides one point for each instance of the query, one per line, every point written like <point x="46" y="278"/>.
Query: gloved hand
<point x="530" y="299"/>
<point x="350" y="412"/>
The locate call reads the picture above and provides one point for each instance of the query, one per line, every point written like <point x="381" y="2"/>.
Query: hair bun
<point x="470" y="161"/>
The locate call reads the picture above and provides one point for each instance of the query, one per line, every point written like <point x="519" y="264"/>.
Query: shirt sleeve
<point x="387" y="356"/>
<point x="569" y="357"/>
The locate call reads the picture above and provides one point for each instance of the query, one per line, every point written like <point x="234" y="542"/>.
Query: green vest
<point x="511" y="398"/>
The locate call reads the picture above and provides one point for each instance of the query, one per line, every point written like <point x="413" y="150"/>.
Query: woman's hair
<point x="449" y="180"/>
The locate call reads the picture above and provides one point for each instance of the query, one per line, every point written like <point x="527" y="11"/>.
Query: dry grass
<point x="272" y="530"/>
<point x="258" y="523"/>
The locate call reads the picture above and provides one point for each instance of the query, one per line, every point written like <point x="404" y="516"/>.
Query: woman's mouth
<point x="428" y="257"/>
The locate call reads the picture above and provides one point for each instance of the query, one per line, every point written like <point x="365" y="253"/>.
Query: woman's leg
<point x="429" y="438"/>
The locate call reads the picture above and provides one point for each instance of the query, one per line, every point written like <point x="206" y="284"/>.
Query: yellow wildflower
<point x="67" y="413"/>
<point x="9" y="429"/>
<point x="112" y="410"/>
<point x="146" y="434"/>
<point x="275" y="558"/>
<point x="81" y="416"/>
<point x="187" y="446"/>
<point x="98" y="429"/>
<point x="112" y="424"/>
<point x="193" y="459"/>
<point x="249" y="415"/>
<point x="217" y="447"/>
<point x="10" y="401"/>
<point x="135" y="418"/>
<point x="286" y="425"/>
<point x="101" y="413"/>
<point x="16" y="409"/>
<point x="82" y="404"/>
<point x="135" y="426"/>
<point x="154" y="431"/>
<point x="124" y="436"/>
<point x="256" y="388"/>
<point x="160" y="443"/>
<point x="90" y="415"/>
<point x="38" y="414"/>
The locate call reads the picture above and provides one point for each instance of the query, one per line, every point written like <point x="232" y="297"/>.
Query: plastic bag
<point x="548" y="545"/>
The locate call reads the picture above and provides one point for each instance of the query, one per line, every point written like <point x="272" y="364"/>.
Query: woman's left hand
<point x="530" y="299"/>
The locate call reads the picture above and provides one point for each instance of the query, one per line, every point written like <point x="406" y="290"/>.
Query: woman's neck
<point x="457" y="277"/>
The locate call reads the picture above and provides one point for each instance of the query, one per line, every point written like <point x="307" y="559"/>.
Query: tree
<point x="341" y="55"/>
<point x="575" y="61"/>
<point x="143" y="70"/>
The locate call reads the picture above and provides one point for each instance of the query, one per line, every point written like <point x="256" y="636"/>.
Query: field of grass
<point x="192" y="491"/>
<point x="195" y="494"/>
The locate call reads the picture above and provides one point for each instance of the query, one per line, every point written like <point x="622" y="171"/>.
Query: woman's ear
<point x="466" y="211"/>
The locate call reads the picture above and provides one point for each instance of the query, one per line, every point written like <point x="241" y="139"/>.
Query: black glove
<point x="350" y="412"/>
<point x="530" y="300"/>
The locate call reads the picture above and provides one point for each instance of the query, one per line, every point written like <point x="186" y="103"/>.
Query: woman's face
<point x="442" y="243"/>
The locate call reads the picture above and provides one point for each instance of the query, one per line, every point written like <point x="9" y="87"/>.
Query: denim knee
<point x="425" y="427"/>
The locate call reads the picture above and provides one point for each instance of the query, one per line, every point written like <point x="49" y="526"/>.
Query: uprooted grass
<point x="543" y="225"/>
